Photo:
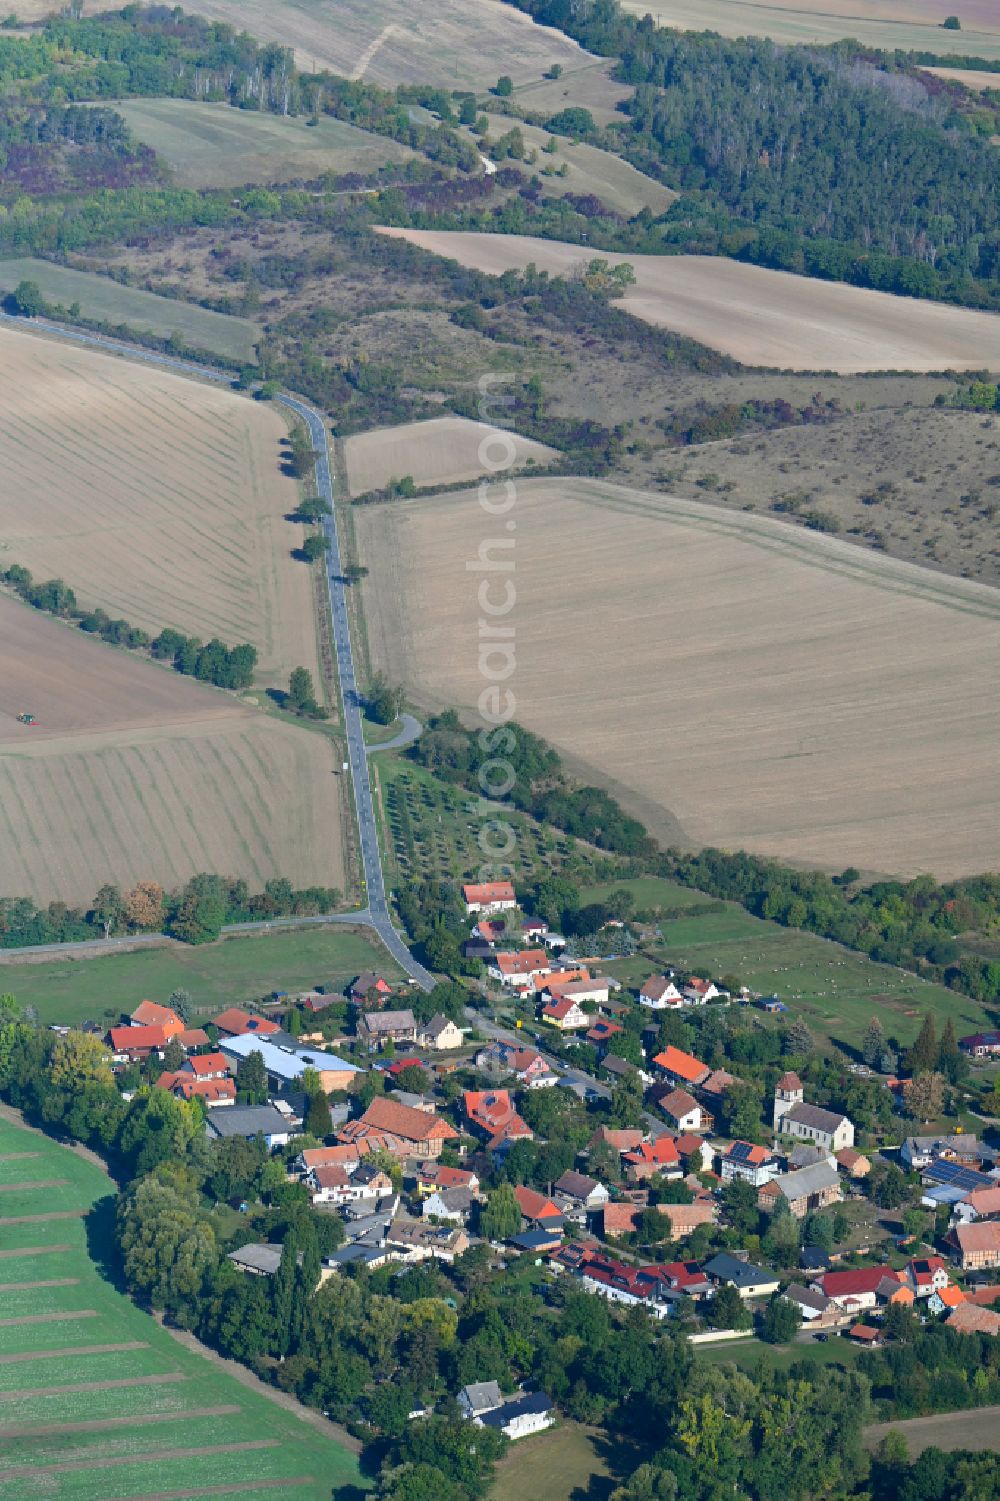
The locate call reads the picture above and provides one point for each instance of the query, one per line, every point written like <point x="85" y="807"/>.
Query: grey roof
<point x="804" y="1155"/>
<point x="436" y="1026"/>
<point x="389" y="1021"/>
<point x="964" y="1146"/>
<point x="482" y="1396"/>
<point x="576" y="1185"/>
<point x="248" y="1120"/>
<point x="808" y="1297"/>
<point x="814" y="1116"/>
<point x="808" y="1180"/>
<point x="517" y="1407"/>
<point x="358" y="1251"/>
<point x="726" y="1268"/>
<point x="814" y="1258"/>
<point x="459" y="1200"/>
<point x="258" y="1257"/>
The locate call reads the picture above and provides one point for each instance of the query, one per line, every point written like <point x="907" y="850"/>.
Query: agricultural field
<point x="758" y="316"/>
<point x="911" y="25"/>
<point x="213" y="145"/>
<point x="440" y="451"/>
<point x="133" y="771"/>
<point x="433" y="827"/>
<point x="107" y="301"/>
<point x="155" y="497"/>
<point x="972" y="78"/>
<point x="620" y="186"/>
<point x="443" y="42"/>
<point x="978" y="1429"/>
<point x="232" y="972"/>
<point x="734" y="681"/>
<point x="590" y="87"/>
<point x="97" y="1401"/>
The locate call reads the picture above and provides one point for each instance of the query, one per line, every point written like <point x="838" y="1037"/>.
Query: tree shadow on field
<point x="102" y="1246"/>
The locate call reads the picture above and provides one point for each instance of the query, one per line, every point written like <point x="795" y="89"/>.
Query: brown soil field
<point x="135" y="772"/>
<point x="155" y="497"/>
<point x="441" y="451"/>
<point x="911" y="25"/>
<point x="734" y="681"/>
<point x="760" y="317"/>
<point x="976" y="1429"/>
<point x="450" y="43"/>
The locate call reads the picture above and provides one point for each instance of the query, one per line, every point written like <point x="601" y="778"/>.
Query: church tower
<point x="787" y="1092"/>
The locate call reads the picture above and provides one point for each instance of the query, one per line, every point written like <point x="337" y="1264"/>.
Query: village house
<point x="236" y="1023"/>
<point x="451" y="1204"/>
<point x="526" y="1064"/>
<point x="212" y="1092"/>
<point x="651" y="1158"/>
<point x="538" y="1208"/>
<point x="493" y="1111"/>
<point x="313" y="1157"/>
<point x="623" y="1219"/>
<point x="528" y="1412"/>
<point x="376" y="1028"/>
<point x="804" y="1191"/>
<point x="681" y="1068"/>
<point x="749" y="1281"/>
<point x="854" y="1163"/>
<point x="619" y="1140"/>
<point x="418" y="1240"/>
<point x="522" y="969"/>
<point x="683" y="1110"/>
<point x="579" y="1193"/>
<point x="660" y="994"/>
<point x="478" y="1398"/>
<point x="827" y="1129"/>
<point x="918" y="1152"/>
<point x="489" y="896"/>
<point x="150" y="1014"/>
<point x="943" y="1299"/>
<point x="977" y="1245"/>
<point x="285" y="1064"/>
<point x="257" y="1258"/>
<point x="814" y="1307"/>
<point x="337" y="1184"/>
<point x="859" y="1287"/>
<point x="249" y="1121"/>
<point x="566" y="1013"/>
<point x="586" y="988"/>
<point x="398" y="1129"/>
<point x="981" y="1044"/>
<point x="134" y="1044"/>
<point x="602" y="1031"/>
<point x="979" y="1204"/>
<point x="696" y="992"/>
<point x="368" y="989"/>
<point x="620" y="1283"/>
<point x="717" y="1084"/>
<point x="207" y="1066"/>
<point x="193" y="1038"/>
<point x="439" y="1035"/>
<point x="926" y="1275"/>
<point x="744" y="1159"/>
<point x="433" y="1177"/>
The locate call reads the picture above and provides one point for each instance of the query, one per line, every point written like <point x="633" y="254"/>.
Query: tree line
<point x="209" y="662"/>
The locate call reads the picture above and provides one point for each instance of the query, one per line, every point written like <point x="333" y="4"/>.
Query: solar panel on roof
<point x="956" y="1174"/>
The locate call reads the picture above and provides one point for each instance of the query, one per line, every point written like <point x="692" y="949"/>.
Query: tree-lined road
<point x="376" y="914"/>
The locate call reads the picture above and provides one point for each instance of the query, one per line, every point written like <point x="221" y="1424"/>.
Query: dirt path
<point x="244" y="1487"/>
<point x="247" y="1378"/>
<point x="9" y="1188"/>
<point x="38" y="1219"/>
<point x="130" y="1344"/>
<point x="49" y="1318"/>
<point x="95" y="1386"/>
<point x="26" y="1287"/>
<point x="108" y="1462"/>
<point x="99" y="1425"/>
<point x="17" y="1156"/>
<point x="974" y="1428"/>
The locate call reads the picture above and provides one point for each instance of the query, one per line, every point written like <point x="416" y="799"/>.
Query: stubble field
<point x="135" y="772"/>
<point x="440" y="451"/>
<point x="97" y="1401"/>
<point x="155" y="497"/>
<point x="619" y="185"/>
<point x="911" y="25"/>
<point x="214" y="145"/>
<point x="758" y="316"/>
<point x="735" y="682"/>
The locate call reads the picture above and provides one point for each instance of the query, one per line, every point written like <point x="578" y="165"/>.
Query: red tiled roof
<point x="663" y="1152"/>
<point x="524" y="962"/>
<point x="193" y="1037"/>
<point x="789" y="1082"/>
<point x="856" y="1280"/>
<point x="314" y="1157"/>
<point x="151" y="1014"/>
<point x="982" y="1236"/>
<point x="333" y="1175"/>
<point x="621" y="1141"/>
<point x="489" y="1108"/>
<point x="679" y="1103"/>
<point x="984" y="1200"/>
<point x="405" y="1122"/>
<point x="448" y="1177"/>
<point x="970" y="1319"/>
<point x="602" y="1030"/>
<point x="138" y="1039"/>
<point x="684" y="1065"/>
<point x="534" y="1206"/>
<point x="237" y="1023"/>
<point x="208" y="1063"/>
<point x="751" y="1155"/>
<point x="490" y="891"/>
<point x="559" y="1009"/>
<point x="951" y="1296"/>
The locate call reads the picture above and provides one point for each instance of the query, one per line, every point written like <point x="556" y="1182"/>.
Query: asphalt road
<point x="376" y="914"/>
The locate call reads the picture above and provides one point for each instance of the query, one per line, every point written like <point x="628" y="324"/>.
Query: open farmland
<point x="133" y="771"/>
<point x="214" y="145"/>
<point x="736" y="682"/>
<point x="911" y="25"/>
<point x="972" y="78"/>
<point x="590" y="87"/>
<point x="441" y="451"/>
<point x="155" y="497"/>
<point x="105" y="301"/>
<point x="69" y="989"/>
<point x="978" y="1429"/>
<point x="97" y="1401"/>
<point x="620" y="186"/>
<point x="758" y="316"/>
<point x="449" y="43"/>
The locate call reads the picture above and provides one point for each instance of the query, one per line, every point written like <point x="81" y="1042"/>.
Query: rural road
<point x="411" y="730"/>
<point x="376" y="914"/>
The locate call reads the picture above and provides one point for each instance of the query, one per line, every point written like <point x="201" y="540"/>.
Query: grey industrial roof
<point x="807" y="1180"/>
<point x="248" y="1120"/>
<point x="741" y="1273"/>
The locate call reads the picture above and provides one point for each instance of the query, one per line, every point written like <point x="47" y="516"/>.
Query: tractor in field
<point x="26" y="718"/>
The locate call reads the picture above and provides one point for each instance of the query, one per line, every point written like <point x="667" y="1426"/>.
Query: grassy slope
<point x="105" y="301"/>
<point x="218" y="975"/>
<point x="193" y="1396"/>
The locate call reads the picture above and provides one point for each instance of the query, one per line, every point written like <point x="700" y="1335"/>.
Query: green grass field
<point x="218" y="975"/>
<point x="106" y="301"/>
<point x="214" y="145"/>
<point x="835" y="990"/>
<point x="560" y="1465"/>
<point x="147" y="1419"/>
<point x="748" y="1354"/>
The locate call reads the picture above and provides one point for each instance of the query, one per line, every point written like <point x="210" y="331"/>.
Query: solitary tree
<point x="28" y="300"/>
<point x="504" y="86"/>
<point x="923" y="1055"/>
<point x="109" y="909"/>
<point x="314" y="548"/>
<point x="797" y="1038"/>
<point x="500" y="1217"/>
<point x="873" y="1042"/>
<point x="181" y="1001"/>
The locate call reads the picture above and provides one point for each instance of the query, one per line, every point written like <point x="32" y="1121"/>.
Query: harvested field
<point x="155" y="497"/>
<point x="912" y="26"/>
<point x="107" y="301"/>
<point x="758" y="316"/>
<point x="620" y="186"/>
<point x="738" y="683"/>
<point x="449" y="43"/>
<point x="214" y="145"/>
<point x="977" y="1429"/>
<point x="441" y="451"/>
<point x="138" y="1415"/>
<point x="973" y="79"/>
<point x="134" y="771"/>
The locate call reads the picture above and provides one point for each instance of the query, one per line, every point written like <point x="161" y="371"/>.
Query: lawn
<point x="748" y="1354"/>
<point x="562" y="1463"/>
<point x="833" y="989"/>
<point x="217" y="975"/>
<point x="106" y="301"/>
<point x="162" y="1418"/>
